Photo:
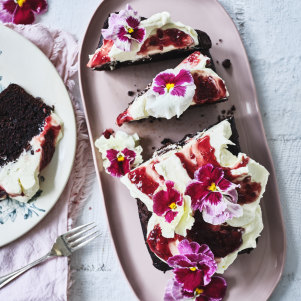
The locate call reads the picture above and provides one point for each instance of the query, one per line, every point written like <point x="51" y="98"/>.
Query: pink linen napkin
<point x="49" y="281"/>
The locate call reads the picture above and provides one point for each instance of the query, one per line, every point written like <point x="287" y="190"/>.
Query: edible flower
<point x="120" y="161"/>
<point x="171" y="93"/>
<point x="176" y="84"/>
<point x="214" y="291"/>
<point x="213" y="195"/>
<point x="166" y="203"/>
<point x="21" y="11"/>
<point x="124" y="29"/>
<point x="194" y="266"/>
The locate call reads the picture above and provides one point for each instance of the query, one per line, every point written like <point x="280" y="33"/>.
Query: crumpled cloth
<point x="50" y="281"/>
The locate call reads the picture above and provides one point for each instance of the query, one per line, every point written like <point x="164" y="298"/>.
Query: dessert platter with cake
<point x="37" y="136"/>
<point x="191" y="219"/>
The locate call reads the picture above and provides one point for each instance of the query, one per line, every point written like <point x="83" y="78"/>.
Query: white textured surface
<point x="271" y="33"/>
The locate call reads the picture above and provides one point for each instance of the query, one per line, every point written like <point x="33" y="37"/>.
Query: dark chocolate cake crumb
<point x="166" y="141"/>
<point x="153" y="147"/>
<point x="217" y="62"/>
<point x="21" y="117"/>
<point x="131" y="93"/>
<point x="216" y="43"/>
<point x="221" y="40"/>
<point x="225" y="114"/>
<point x="226" y="63"/>
<point x="138" y="90"/>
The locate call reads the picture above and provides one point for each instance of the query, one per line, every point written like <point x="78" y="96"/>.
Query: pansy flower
<point x="120" y="162"/>
<point x="213" y="195"/>
<point x="193" y="272"/>
<point x="166" y="202"/>
<point x="124" y="29"/>
<point x="194" y="266"/>
<point x="171" y="93"/>
<point x="214" y="291"/>
<point x="21" y="11"/>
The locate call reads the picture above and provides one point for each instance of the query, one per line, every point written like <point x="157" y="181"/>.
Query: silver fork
<point x="65" y="245"/>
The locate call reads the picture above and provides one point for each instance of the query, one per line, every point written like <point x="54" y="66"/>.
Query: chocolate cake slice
<point x="193" y="82"/>
<point x="29" y="132"/>
<point x="174" y="188"/>
<point x="128" y="39"/>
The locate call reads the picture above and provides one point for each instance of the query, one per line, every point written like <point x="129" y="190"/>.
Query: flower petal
<point x="170" y="215"/>
<point x="159" y="89"/>
<point x="138" y="34"/>
<point x="178" y="91"/>
<point x="178" y="261"/>
<point x="23" y="15"/>
<point x="38" y="6"/>
<point x="183" y="77"/>
<point x="216" y="289"/>
<point x="132" y="22"/>
<point x="225" y="185"/>
<point x="129" y="154"/>
<point x="10" y="6"/>
<point x="112" y="154"/>
<point x="198" y="192"/>
<point x="164" y="77"/>
<point x="203" y="174"/>
<point x="186" y="247"/>
<point x="190" y="279"/>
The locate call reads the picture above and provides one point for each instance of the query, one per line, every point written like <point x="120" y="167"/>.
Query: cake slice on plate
<point x="202" y="189"/>
<point x="29" y="132"/>
<point x="193" y="82"/>
<point x="126" y="39"/>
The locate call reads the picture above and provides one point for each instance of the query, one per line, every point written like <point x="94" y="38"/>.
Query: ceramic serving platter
<point x="105" y="95"/>
<point x="21" y="62"/>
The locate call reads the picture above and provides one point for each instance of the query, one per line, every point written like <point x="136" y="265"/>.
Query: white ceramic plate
<point x="21" y="62"/>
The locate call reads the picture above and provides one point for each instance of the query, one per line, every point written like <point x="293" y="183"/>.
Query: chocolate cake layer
<point x="21" y="117"/>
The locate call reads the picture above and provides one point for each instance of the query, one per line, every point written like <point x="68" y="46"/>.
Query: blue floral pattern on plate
<point x="11" y="209"/>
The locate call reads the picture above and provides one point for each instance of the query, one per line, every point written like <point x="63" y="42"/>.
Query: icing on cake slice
<point x="29" y="132"/>
<point x="173" y="91"/>
<point x="202" y="189"/>
<point x="126" y="39"/>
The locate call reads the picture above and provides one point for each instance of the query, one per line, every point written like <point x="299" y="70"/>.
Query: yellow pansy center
<point x="20" y="2"/>
<point x="199" y="291"/>
<point x="212" y="187"/>
<point x="130" y="30"/>
<point x="169" y="86"/>
<point x="193" y="269"/>
<point x="173" y="206"/>
<point x="120" y="158"/>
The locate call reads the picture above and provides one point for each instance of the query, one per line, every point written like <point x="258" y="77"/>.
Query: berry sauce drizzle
<point x="164" y="38"/>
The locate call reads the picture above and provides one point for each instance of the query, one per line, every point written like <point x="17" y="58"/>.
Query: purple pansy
<point x="21" y="11"/>
<point x="165" y="203"/>
<point x="121" y="161"/>
<point x="211" y="193"/>
<point x="172" y="83"/>
<point x="214" y="291"/>
<point x="194" y="266"/>
<point x="124" y="28"/>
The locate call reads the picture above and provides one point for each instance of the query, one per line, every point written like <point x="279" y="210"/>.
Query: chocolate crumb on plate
<point x="166" y="141"/>
<point x="226" y="63"/>
<point x="131" y="93"/>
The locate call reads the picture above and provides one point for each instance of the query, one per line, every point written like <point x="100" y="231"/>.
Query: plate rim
<point x="252" y="83"/>
<point x="74" y="134"/>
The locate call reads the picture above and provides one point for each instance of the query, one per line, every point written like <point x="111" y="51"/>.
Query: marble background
<point x="270" y="30"/>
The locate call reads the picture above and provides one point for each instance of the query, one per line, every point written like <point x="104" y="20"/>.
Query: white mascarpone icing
<point x="20" y="178"/>
<point x="170" y="168"/>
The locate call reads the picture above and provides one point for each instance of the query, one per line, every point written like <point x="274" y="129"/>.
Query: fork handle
<point x="9" y="277"/>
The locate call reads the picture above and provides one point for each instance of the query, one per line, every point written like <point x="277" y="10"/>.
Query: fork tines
<point x="80" y="236"/>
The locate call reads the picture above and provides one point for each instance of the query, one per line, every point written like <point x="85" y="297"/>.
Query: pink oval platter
<point x="105" y="94"/>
